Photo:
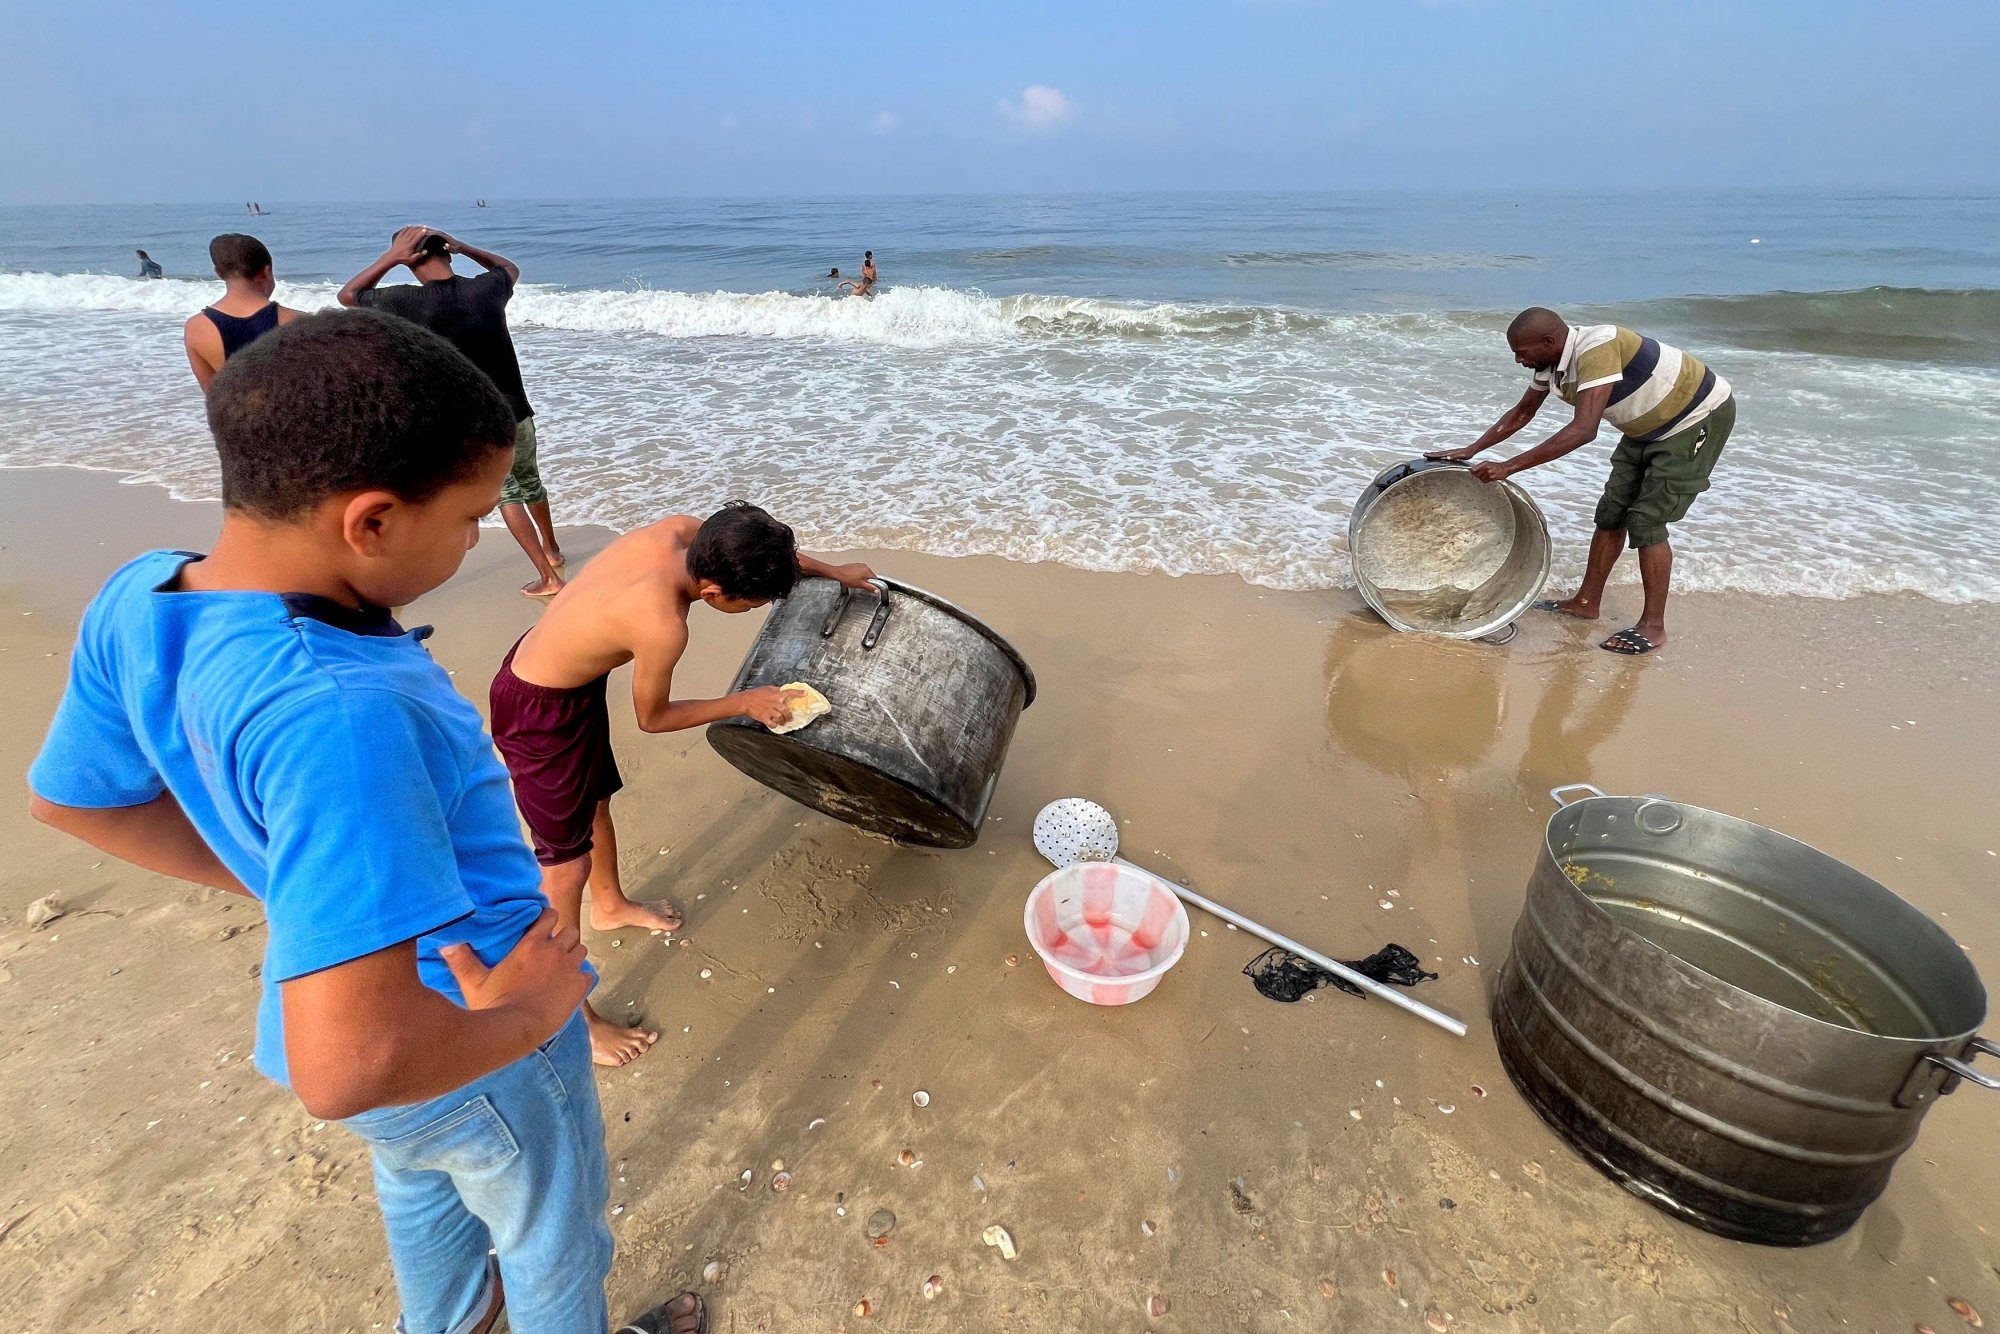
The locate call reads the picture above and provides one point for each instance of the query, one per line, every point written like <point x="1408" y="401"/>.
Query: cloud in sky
<point x="1039" y="107"/>
<point x="885" y="121"/>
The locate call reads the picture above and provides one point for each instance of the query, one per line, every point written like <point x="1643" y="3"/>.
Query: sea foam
<point x="1110" y="435"/>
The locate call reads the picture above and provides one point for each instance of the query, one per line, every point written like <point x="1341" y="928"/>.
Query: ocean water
<point x="1187" y="383"/>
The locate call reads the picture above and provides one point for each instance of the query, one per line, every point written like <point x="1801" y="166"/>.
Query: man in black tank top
<point x="245" y="312"/>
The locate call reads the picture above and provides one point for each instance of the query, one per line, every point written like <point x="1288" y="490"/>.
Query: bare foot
<point x="557" y="561"/>
<point x="614" y="1044"/>
<point x="620" y="911"/>
<point x="542" y="588"/>
<point x="1577" y="607"/>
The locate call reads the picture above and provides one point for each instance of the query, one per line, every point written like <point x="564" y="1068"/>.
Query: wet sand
<point x="1284" y="752"/>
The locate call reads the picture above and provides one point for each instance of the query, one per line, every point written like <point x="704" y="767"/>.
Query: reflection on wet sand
<point x="1416" y="707"/>
<point x="1582" y="706"/>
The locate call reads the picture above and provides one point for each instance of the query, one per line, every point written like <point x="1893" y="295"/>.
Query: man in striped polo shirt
<point x="1674" y="413"/>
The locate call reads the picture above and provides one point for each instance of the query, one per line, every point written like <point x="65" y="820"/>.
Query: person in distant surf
<point x="1675" y="415"/>
<point x="246" y="311"/>
<point x="552" y="724"/>
<point x="859" y="286"/>
<point x="148" y="266"/>
<point x="472" y="314"/>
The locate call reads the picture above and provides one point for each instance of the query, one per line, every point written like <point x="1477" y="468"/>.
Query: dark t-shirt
<point x="472" y="313"/>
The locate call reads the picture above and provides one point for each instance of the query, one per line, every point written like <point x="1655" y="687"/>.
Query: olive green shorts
<point x="1654" y="484"/>
<point x="524" y="482"/>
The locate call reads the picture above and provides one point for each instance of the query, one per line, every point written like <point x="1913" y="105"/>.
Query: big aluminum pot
<point x="1733" y="1026"/>
<point x="925" y="698"/>
<point x="1437" y="550"/>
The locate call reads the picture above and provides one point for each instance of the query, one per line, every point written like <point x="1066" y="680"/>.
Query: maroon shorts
<point x="557" y="745"/>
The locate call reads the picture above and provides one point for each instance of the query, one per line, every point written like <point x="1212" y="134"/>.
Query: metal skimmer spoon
<point x="1075" y="830"/>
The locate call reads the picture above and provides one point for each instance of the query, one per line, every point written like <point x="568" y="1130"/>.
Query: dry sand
<point x="1284" y="752"/>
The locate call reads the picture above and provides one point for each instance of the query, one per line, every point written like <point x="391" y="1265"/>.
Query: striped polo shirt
<point x="1657" y="389"/>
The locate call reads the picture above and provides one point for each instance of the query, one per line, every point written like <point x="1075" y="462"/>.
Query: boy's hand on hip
<point x="542" y="975"/>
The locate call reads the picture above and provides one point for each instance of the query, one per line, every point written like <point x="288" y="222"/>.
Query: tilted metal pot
<point x="1435" y="549"/>
<point x="925" y="698"/>
<point x="1737" y="1028"/>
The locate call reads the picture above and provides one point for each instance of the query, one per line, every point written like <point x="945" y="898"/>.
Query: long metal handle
<point x="1964" y="1070"/>
<point x="1557" y="792"/>
<point x="881" y="617"/>
<point x="1455" y="1027"/>
<point x="875" y="624"/>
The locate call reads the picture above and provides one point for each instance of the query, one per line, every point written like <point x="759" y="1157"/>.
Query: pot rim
<point x="1918" y="1046"/>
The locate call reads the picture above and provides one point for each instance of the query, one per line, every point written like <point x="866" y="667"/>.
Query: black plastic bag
<point x="1285" y="976"/>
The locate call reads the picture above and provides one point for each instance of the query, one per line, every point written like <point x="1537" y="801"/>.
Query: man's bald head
<point x="1536" y="322"/>
<point x="1537" y="336"/>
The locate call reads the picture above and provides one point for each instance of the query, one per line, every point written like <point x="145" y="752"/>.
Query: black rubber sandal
<point x="1629" y="644"/>
<point x="662" y="1318"/>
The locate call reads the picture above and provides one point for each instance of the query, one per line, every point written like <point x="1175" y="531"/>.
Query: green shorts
<point x="524" y="482"/>
<point x="1654" y="484"/>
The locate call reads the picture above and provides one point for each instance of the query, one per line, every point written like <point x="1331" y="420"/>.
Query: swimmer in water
<point x="860" y="286"/>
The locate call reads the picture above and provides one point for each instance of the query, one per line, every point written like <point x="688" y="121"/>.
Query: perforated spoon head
<point x="1076" y="830"/>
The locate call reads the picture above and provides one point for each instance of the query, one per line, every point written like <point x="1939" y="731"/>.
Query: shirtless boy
<point x="552" y="724"/>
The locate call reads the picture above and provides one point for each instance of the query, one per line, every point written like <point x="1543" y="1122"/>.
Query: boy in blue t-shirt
<point x="254" y="720"/>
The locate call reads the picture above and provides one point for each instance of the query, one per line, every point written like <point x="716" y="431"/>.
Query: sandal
<point x="672" y="1317"/>
<point x="1628" y="643"/>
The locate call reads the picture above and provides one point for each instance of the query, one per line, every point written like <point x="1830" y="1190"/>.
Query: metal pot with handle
<point x="925" y="698"/>
<point x="1435" y="549"/>
<point x="1737" y="1028"/>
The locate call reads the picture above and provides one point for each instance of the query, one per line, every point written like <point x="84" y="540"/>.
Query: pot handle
<point x="1589" y="789"/>
<point x="875" y="624"/>
<point x="1402" y="470"/>
<point x="1964" y="1070"/>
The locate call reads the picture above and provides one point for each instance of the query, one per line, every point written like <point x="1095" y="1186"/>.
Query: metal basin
<point x="1737" y="1028"/>
<point x="1435" y="549"/>
<point x="925" y="698"/>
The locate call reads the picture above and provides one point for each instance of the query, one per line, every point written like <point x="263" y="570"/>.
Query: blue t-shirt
<point x="319" y="751"/>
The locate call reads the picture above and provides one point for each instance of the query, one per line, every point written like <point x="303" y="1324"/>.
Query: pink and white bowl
<point x="1106" y="933"/>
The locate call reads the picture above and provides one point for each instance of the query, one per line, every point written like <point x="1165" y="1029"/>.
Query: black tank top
<point x="239" y="331"/>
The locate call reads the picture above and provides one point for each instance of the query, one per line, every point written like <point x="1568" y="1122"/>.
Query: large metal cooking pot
<point x="924" y="697"/>
<point x="1738" y="1029"/>
<point x="1435" y="549"/>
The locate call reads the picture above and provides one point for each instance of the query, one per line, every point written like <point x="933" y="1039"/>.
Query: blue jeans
<point x="512" y="1162"/>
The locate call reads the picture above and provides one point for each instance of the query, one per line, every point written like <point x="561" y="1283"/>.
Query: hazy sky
<point x="233" y="100"/>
